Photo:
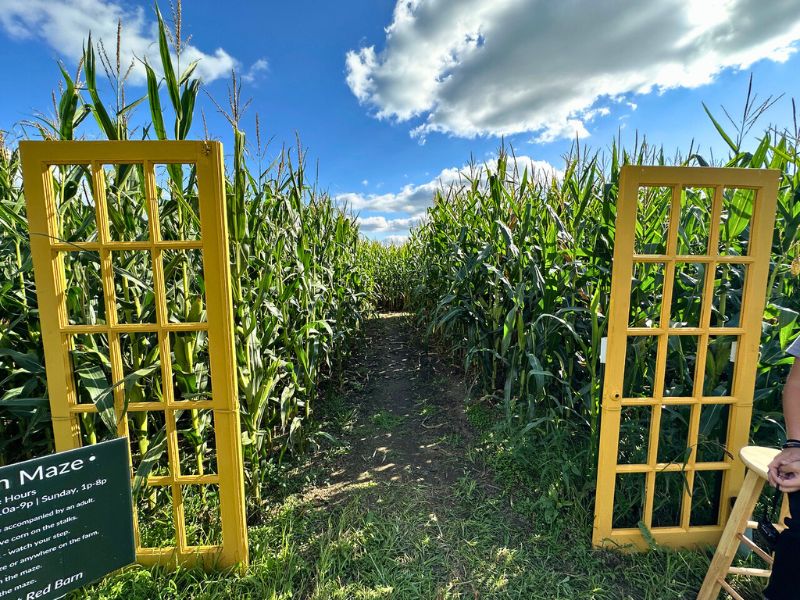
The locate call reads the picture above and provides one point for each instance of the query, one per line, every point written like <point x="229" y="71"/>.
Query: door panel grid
<point x="677" y="370"/>
<point x="50" y="246"/>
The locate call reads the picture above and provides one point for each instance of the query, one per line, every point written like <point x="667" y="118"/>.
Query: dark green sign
<point x="65" y="520"/>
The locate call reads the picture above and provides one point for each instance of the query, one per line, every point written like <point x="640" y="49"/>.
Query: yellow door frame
<point x="764" y="183"/>
<point x="38" y="158"/>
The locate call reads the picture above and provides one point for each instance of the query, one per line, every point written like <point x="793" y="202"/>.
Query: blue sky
<point x="392" y="98"/>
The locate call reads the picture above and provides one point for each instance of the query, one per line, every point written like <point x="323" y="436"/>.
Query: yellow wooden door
<point x="212" y="481"/>
<point x="683" y="363"/>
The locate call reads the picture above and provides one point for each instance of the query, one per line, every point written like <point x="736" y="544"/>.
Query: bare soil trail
<point x="408" y="419"/>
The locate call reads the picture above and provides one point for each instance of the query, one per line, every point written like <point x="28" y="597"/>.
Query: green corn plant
<point x="516" y="281"/>
<point x="24" y="410"/>
<point x="300" y="291"/>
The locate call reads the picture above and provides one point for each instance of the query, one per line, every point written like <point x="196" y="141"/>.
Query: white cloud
<point x="378" y="224"/>
<point x="415" y="199"/>
<point x="396" y="240"/>
<point x="258" y="68"/>
<point x="64" y="25"/>
<point x="412" y="199"/>
<point x="500" y="67"/>
<point x="408" y="207"/>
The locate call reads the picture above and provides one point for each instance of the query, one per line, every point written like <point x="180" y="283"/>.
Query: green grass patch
<point x="522" y="534"/>
<point x="387" y="421"/>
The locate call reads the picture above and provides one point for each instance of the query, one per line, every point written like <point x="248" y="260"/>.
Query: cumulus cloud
<point x="501" y="67"/>
<point x="258" y="68"/>
<point x="407" y="208"/>
<point x="65" y="24"/>
<point x="415" y="199"/>
<point x="412" y="199"/>
<point x="379" y="224"/>
<point x="396" y="240"/>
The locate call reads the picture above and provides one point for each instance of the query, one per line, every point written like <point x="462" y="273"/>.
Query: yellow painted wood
<point x="115" y="245"/>
<point x="631" y="540"/>
<point x="611" y="401"/>
<point x="765" y="184"/>
<point x="47" y="249"/>
<point x="134" y="327"/>
<point x="671" y="467"/>
<point x="634" y="331"/>
<point x="216" y="259"/>
<point x="684" y="258"/>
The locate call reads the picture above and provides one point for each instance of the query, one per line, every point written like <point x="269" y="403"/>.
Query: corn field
<point x="390" y="273"/>
<point x="299" y="290"/>
<point x="510" y="271"/>
<point x="514" y="277"/>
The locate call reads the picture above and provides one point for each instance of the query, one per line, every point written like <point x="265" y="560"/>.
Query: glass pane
<point x="146" y="432"/>
<point x="647" y="290"/>
<point x="202" y="515"/>
<point x="133" y="286"/>
<point x="178" y="204"/>
<point x="128" y="217"/>
<point x="629" y="493"/>
<point x="640" y="366"/>
<point x="154" y="511"/>
<point x="681" y="366"/>
<point x="91" y="367"/>
<point x="93" y="430"/>
<point x="73" y="192"/>
<point x="673" y="438"/>
<point x="197" y="447"/>
<point x="687" y="294"/>
<point x="634" y="434"/>
<point x="693" y="226"/>
<point x="191" y="375"/>
<point x="726" y="305"/>
<point x="737" y="211"/>
<point x="185" y="285"/>
<point x="652" y="220"/>
<point x="705" y="498"/>
<point x="667" y="499"/>
<point x="720" y="356"/>
<point x="713" y="433"/>
<point x="84" y="292"/>
<point x="141" y="366"/>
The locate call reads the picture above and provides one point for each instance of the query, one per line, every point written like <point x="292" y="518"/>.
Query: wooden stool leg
<point x="729" y="542"/>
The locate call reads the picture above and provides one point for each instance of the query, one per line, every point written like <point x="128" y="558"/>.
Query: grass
<point x="515" y="523"/>
<point x="387" y="421"/>
<point x="387" y="541"/>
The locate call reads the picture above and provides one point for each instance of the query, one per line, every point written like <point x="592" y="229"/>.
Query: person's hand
<point x="779" y="475"/>
<point x="789" y="477"/>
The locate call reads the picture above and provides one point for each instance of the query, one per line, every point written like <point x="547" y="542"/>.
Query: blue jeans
<point x="783" y="584"/>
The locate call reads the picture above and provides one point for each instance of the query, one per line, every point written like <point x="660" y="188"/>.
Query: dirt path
<point x="409" y="423"/>
<point x="409" y="508"/>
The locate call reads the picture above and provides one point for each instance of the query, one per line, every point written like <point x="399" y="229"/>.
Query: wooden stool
<point x="756" y="460"/>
